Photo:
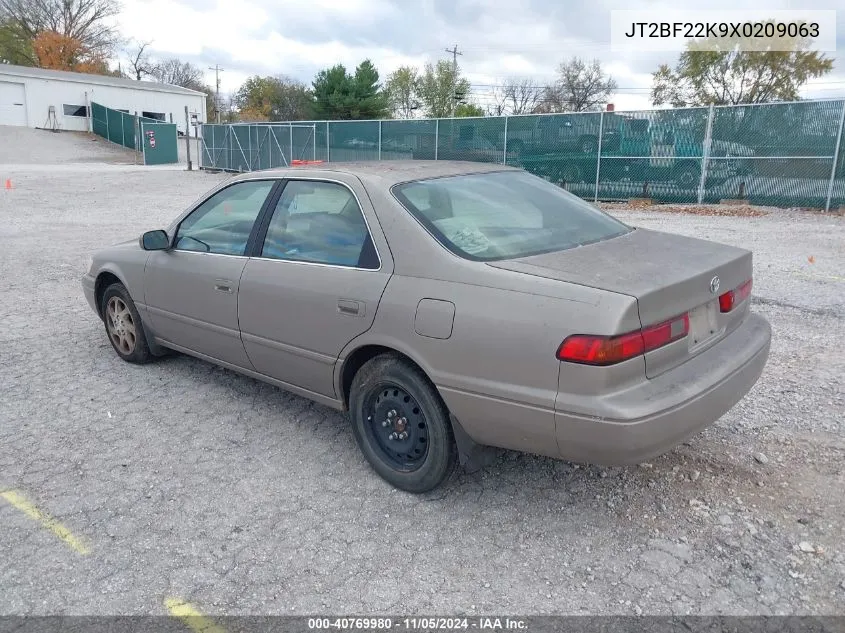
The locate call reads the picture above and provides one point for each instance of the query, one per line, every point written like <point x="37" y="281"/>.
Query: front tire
<point x="123" y="325"/>
<point x="401" y="424"/>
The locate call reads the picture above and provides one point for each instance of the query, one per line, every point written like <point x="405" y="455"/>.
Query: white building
<point x="36" y="97"/>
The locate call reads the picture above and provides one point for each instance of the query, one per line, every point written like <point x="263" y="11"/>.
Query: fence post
<point x="436" y="136"/>
<point x="505" y="144"/>
<point x="136" y="126"/>
<point x="328" y="143"/>
<point x="314" y="141"/>
<point x="598" y="157"/>
<point x="835" y="159"/>
<point x="290" y="131"/>
<point x="122" y="131"/>
<point x="379" y="139"/>
<point x="108" y="132"/>
<point x="188" y="137"/>
<point x="705" y="159"/>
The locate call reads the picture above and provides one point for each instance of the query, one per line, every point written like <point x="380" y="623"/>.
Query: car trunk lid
<point x="669" y="275"/>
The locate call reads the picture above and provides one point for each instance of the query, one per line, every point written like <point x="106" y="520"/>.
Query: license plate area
<point x="703" y="324"/>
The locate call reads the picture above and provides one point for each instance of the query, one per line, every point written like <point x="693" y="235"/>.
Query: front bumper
<point x="674" y="406"/>
<point x="88" y="286"/>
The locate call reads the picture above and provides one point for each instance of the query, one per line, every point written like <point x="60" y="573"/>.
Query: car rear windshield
<point x="504" y="215"/>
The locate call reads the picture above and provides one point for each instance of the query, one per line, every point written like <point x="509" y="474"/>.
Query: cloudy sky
<point x="498" y="39"/>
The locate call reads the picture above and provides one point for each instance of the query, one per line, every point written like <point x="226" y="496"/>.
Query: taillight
<point x="589" y="349"/>
<point x="733" y="298"/>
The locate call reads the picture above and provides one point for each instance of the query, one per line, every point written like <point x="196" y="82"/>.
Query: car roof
<point x="387" y="173"/>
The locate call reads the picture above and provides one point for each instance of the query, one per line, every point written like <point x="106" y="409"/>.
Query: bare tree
<point x="86" y="21"/>
<point x="581" y="86"/>
<point x="139" y="61"/>
<point x="521" y="96"/>
<point x="178" y="73"/>
<point x="499" y="105"/>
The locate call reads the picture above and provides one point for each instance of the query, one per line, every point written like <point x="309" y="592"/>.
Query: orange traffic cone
<point x="8" y="183"/>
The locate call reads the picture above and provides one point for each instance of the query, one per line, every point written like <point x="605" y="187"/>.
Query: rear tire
<point x="401" y="425"/>
<point x="123" y="325"/>
<point x="687" y="176"/>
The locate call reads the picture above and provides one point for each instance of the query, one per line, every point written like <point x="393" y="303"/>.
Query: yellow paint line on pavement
<point x="20" y="502"/>
<point x="191" y="617"/>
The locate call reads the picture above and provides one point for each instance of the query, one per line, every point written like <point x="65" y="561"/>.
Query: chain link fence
<point x="781" y="154"/>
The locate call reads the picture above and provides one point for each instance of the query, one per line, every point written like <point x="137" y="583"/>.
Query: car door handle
<point x="353" y="308"/>
<point x="223" y="285"/>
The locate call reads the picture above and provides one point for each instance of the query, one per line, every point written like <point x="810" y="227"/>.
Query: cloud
<point x="517" y="38"/>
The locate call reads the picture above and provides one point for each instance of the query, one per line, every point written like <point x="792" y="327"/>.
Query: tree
<point x="440" y="88"/>
<point x="15" y="45"/>
<point x="339" y="95"/>
<point x="401" y="89"/>
<point x="85" y="21"/>
<point x="370" y="100"/>
<point x="728" y="75"/>
<point x="273" y="99"/>
<point x="468" y="109"/>
<point x="60" y="52"/>
<point x="175" y="72"/>
<point x="580" y="87"/>
<point x="139" y="61"/>
<point x="516" y="96"/>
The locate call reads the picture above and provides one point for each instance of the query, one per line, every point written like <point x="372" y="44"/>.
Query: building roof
<point x="97" y="80"/>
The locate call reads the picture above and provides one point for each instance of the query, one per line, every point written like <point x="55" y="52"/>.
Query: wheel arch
<point x="357" y="354"/>
<point x="105" y="278"/>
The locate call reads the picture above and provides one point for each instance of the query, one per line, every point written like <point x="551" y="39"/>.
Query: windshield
<point x="503" y="215"/>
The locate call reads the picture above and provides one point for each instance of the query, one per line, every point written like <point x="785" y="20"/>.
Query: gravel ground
<point x="191" y="481"/>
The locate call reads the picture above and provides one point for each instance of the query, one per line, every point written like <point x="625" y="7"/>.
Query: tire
<point x="123" y="325"/>
<point x="390" y="389"/>
<point x="588" y="145"/>
<point x="570" y="172"/>
<point x="687" y="176"/>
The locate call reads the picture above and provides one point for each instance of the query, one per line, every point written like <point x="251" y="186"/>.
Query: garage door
<point x="12" y="104"/>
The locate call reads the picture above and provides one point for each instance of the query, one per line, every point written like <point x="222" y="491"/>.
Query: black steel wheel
<point x="396" y="424"/>
<point x="401" y="424"/>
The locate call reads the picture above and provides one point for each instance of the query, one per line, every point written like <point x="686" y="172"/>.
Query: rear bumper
<point x="672" y="407"/>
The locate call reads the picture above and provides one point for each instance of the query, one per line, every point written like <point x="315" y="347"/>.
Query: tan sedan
<point x="449" y="308"/>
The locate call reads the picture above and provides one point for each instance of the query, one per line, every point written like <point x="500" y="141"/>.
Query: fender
<point x="155" y="348"/>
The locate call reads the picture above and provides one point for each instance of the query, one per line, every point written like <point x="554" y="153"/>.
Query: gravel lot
<point x="191" y="481"/>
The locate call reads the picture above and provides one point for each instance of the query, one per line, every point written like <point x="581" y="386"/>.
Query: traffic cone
<point x="8" y="183"/>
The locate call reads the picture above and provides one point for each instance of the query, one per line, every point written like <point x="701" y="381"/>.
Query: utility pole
<point x="455" y="54"/>
<point x="217" y="70"/>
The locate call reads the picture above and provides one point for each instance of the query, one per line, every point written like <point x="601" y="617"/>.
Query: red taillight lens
<point x="733" y="298"/>
<point x="609" y="350"/>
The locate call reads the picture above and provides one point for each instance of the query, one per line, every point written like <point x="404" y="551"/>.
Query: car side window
<point x="319" y="222"/>
<point x="222" y="224"/>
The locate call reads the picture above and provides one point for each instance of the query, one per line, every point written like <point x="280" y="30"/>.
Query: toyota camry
<point x="449" y="308"/>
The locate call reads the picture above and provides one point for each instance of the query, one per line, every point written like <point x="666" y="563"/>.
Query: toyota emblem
<point x="714" y="284"/>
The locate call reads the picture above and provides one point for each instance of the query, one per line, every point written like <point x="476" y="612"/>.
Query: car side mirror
<point x="155" y="241"/>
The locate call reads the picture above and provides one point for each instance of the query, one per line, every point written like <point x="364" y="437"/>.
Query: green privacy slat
<point x="780" y="154"/>
<point x="121" y="128"/>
